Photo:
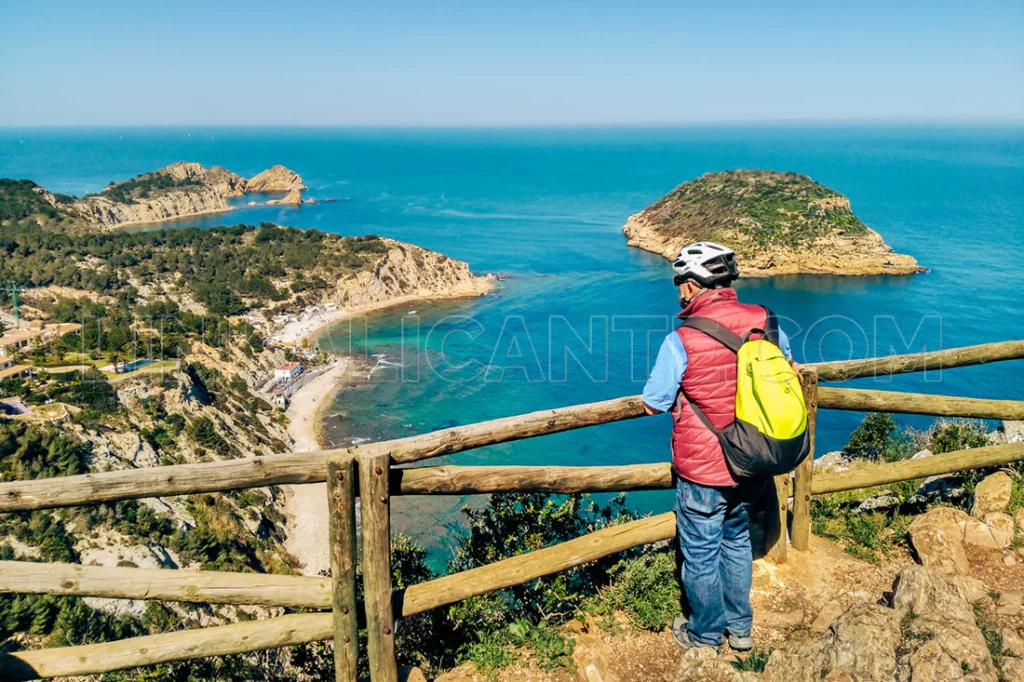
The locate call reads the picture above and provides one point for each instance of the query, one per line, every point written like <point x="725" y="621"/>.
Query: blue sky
<point x="406" y="62"/>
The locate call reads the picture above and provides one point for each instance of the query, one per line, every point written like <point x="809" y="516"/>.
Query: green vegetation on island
<point x="786" y="209"/>
<point x="778" y="223"/>
<point x="145" y="185"/>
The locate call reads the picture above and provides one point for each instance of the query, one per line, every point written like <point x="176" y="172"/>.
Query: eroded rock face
<point x="409" y="271"/>
<point x="275" y="179"/>
<point x="293" y="198"/>
<point x="992" y="495"/>
<point x="166" y="206"/>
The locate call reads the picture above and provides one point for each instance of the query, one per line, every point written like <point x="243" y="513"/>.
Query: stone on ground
<point x="783" y="667"/>
<point x="947" y="648"/>
<point x="704" y="665"/>
<point x="1013" y="644"/>
<point x="992" y="494"/>
<point x="920" y="591"/>
<point x="937" y="538"/>
<point x="862" y="642"/>
<point x="828" y="615"/>
<point x="591" y="656"/>
<point x="1013" y="669"/>
<point x="1009" y="603"/>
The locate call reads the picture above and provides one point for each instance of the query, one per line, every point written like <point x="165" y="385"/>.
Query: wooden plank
<point x="212" y="587"/>
<point x="467" y="480"/>
<point x="374" y="497"/>
<point x="525" y="567"/>
<point x="341" y="502"/>
<point x="161" y="481"/>
<point x="937" y="465"/>
<point x="865" y="400"/>
<point x="919" y="362"/>
<point x="543" y="422"/>
<point x="307" y="467"/>
<point x="800" y="534"/>
<point x="95" y="659"/>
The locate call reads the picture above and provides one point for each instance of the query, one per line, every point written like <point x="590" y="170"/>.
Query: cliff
<point x="177" y="203"/>
<point x="276" y="179"/>
<point x="405" y="272"/>
<point x="778" y="223"/>
<point x="179" y="190"/>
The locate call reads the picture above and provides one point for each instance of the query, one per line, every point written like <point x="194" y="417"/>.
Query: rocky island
<point x="179" y="190"/>
<point x="778" y="223"/>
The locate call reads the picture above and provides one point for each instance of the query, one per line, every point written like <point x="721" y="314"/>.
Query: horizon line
<point x="536" y="125"/>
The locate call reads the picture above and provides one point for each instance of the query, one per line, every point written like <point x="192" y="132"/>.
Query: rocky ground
<point x="949" y="611"/>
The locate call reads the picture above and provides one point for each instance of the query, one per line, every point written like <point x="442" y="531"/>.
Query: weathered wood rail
<point x="368" y="473"/>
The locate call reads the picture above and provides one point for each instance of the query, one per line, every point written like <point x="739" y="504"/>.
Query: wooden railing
<point x="367" y="473"/>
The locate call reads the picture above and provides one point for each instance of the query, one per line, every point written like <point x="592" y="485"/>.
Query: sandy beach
<point x="305" y="506"/>
<point x="294" y="333"/>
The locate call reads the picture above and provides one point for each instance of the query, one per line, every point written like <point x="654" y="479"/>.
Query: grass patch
<point x="548" y="649"/>
<point x="753" y="662"/>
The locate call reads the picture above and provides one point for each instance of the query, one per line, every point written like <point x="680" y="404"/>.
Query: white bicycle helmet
<point x="708" y="264"/>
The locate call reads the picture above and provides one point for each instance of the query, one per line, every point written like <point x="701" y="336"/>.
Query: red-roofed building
<point x="288" y="370"/>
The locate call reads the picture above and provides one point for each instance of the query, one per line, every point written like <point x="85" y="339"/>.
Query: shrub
<point x="947" y="435"/>
<point x="877" y="439"/>
<point x="645" y="588"/>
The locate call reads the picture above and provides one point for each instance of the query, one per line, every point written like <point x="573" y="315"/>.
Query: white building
<point x="288" y="371"/>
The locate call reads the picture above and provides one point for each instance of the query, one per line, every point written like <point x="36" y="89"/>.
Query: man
<point x="711" y="517"/>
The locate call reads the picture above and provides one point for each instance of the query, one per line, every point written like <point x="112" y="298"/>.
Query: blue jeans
<point x="714" y="536"/>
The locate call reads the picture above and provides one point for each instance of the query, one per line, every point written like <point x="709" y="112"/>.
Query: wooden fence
<point x="368" y="474"/>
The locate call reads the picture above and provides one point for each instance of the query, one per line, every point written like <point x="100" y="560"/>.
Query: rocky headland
<point x="778" y="223"/>
<point x="179" y="190"/>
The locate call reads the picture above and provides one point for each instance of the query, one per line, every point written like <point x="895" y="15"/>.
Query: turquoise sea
<point x="575" y="317"/>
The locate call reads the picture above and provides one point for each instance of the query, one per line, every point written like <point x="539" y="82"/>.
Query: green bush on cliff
<point x="645" y="588"/>
<point x="878" y="438"/>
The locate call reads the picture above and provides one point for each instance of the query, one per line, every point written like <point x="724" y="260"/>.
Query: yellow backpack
<point x="769" y="434"/>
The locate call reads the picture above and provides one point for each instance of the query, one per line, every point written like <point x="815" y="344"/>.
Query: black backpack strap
<point x="696" y="410"/>
<point x="771" y="326"/>
<point x="724" y="336"/>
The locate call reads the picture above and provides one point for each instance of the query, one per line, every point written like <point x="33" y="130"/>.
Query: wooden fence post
<point x="801" y="532"/>
<point x="341" y="503"/>
<point x="374" y="496"/>
<point x="776" y="505"/>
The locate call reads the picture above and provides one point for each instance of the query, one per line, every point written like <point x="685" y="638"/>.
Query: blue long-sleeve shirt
<point x="663" y="384"/>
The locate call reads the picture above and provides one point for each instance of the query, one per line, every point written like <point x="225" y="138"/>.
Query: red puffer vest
<point x="710" y="381"/>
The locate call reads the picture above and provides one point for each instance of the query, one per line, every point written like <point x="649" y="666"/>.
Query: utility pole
<point x="14" y="289"/>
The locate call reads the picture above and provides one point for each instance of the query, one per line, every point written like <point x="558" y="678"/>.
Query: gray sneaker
<point x="682" y="635"/>
<point x="738" y="643"/>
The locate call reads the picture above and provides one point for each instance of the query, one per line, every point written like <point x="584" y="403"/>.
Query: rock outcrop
<point x="170" y="205"/>
<point x="992" y="495"/>
<point x="180" y="190"/>
<point x="407" y="272"/>
<point x="275" y="179"/>
<point x="778" y="223"/>
<point x="293" y="198"/>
